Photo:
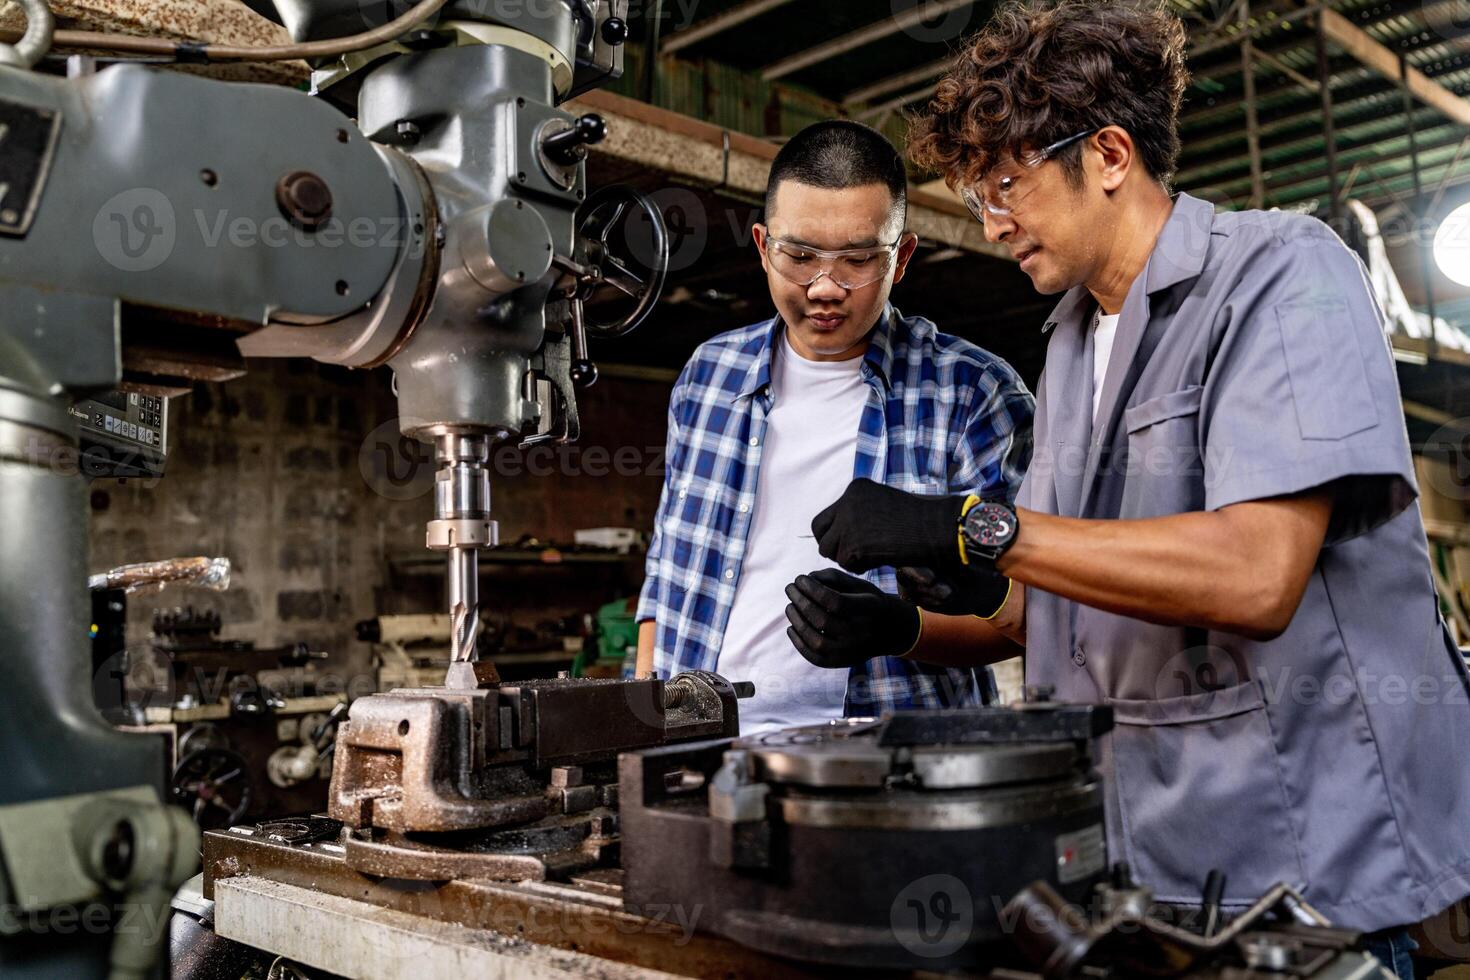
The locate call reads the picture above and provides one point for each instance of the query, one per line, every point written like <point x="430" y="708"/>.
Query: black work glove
<point x="872" y="525"/>
<point x="973" y="590"/>
<point x="841" y="621"/>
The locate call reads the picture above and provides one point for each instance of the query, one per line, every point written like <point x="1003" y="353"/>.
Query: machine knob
<point x="305" y="200"/>
<point x="583" y="373"/>
<point x="615" y="31"/>
<point x="569" y="146"/>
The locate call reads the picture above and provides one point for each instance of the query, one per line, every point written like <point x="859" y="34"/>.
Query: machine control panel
<point x="123" y="433"/>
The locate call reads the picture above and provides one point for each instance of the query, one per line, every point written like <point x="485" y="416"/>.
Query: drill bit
<point x="461" y="526"/>
<point x="464" y="603"/>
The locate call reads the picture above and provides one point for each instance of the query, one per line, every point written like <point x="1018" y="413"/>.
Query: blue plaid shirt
<point x="943" y="417"/>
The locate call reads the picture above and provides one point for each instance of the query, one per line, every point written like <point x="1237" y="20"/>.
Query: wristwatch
<point x="988" y="530"/>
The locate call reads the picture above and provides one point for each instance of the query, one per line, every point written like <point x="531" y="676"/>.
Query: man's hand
<point x="872" y="525"/>
<point x="971" y="591"/>
<point x="838" y="620"/>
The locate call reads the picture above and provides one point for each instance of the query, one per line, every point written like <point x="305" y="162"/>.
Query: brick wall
<point x="297" y="475"/>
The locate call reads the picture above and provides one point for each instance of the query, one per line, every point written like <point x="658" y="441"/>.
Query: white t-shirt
<point x="1104" y="329"/>
<point x="807" y="461"/>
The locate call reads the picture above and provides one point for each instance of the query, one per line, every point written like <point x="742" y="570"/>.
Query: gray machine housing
<point x="435" y="235"/>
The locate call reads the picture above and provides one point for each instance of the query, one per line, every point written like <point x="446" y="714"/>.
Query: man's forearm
<point x="643" y="665"/>
<point x="1242" y="569"/>
<point x="968" y="641"/>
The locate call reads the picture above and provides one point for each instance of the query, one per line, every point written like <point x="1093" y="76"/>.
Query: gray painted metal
<point x="162" y="192"/>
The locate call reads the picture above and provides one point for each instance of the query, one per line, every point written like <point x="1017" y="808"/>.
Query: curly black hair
<point x="1040" y="72"/>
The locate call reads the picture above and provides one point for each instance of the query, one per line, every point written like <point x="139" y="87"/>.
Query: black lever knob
<point x="615" y="31"/>
<point x="583" y="373"/>
<point x="569" y="146"/>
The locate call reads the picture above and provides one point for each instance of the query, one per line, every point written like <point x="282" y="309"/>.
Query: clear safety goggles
<point x="850" y="268"/>
<point x="1002" y="194"/>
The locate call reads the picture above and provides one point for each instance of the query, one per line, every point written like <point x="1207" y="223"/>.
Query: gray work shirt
<point x="1250" y="362"/>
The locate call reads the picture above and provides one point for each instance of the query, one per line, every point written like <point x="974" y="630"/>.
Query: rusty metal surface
<point x="439" y="760"/>
<point x="217" y="21"/>
<point x="555" y="847"/>
<point x="584" y="915"/>
<point x="412" y="760"/>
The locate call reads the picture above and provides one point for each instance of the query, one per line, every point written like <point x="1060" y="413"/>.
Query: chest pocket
<point x="1162" y="466"/>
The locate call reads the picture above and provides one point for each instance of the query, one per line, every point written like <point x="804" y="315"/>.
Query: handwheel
<point x="603" y="219"/>
<point x="214" y="785"/>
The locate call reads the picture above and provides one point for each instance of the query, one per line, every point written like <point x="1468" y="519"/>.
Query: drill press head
<point x="485" y="330"/>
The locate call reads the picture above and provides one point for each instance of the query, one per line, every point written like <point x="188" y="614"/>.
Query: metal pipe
<point x="1425" y="251"/>
<point x="651" y="52"/>
<point x="1252" y="120"/>
<point x="1329" y="132"/>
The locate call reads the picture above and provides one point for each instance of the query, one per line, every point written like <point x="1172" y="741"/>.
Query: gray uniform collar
<point x="1178" y="255"/>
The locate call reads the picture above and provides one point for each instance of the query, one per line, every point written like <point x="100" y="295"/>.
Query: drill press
<point x="429" y="212"/>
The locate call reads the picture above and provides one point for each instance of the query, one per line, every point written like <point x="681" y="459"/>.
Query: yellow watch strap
<point x="970" y="502"/>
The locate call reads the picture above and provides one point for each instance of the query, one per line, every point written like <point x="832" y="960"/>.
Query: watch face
<point x="990" y="526"/>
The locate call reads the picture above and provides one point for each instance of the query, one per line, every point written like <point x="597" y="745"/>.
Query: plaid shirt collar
<point x="877" y="361"/>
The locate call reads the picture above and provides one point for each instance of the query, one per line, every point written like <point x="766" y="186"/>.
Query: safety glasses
<point x="1005" y="192"/>
<point x="850" y="268"/>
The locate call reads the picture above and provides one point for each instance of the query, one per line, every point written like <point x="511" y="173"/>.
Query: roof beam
<point x="893" y="83"/>
<point x="924" y="10"/>
<point x="718" y="24"/>
<point x="1358" y="43"/>
<point x="1304" y="148"/>
<point x="697" y="153"/>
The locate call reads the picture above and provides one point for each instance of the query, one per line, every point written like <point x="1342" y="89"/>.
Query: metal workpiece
<point x="817" y="843"/>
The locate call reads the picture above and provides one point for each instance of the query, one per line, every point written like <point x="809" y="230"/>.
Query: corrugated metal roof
<point x="1368" y="109"/>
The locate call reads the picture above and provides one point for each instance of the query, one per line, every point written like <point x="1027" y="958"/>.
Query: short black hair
<point x="838" y="154"/>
